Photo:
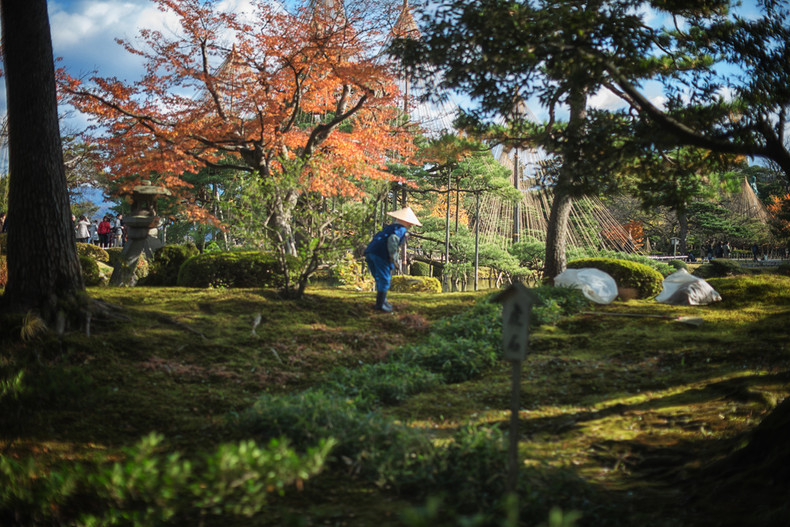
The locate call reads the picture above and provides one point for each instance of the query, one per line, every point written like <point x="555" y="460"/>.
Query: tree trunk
<point x="43" y="268"/>
<point x="683" y="222"/>
<point x="557" y="232"/>
<point x="282" y="218"/>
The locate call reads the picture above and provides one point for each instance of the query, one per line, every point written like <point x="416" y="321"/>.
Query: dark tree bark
<point x="43" y="268"/>
<point x="557" y="231"/>
<point x="683" y="222"/>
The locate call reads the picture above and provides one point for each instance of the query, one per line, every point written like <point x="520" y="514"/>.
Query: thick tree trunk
<point x="683" y="222"/>
<point x="43" y="269"/>
<point x="557" y="232"/>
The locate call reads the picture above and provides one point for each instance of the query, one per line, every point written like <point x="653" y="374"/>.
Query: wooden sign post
<point x="517" y="302"/>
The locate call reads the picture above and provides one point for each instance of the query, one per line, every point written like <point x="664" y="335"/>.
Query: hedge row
<point x="627" y="274"/>
<point x="232" y="269"/>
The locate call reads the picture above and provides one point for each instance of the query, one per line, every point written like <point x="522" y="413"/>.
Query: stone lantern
<point x="141" y="232"/>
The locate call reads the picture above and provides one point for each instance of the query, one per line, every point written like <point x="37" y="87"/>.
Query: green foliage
<point x="350" y="272"/>
<point x="367" y="443"/>
<point x="149" y="487"/>
<point x="646" y="280"/>
<point x="3" y="271"/>
<point x="113" y="255"/>
<point x="166" y="264"/>
<point x="713" y="221"/>
<point x="420" y="269"/>
<point x="381" y="383"/>
<point x="530" y="253"/>
<point x="90" y="271"/>
<point x="231" y="269"/>
<point x="556" y="303"/>
<point x="575" y="253"/>
<point x="12" y="386"/>
<point x="3" y="242"/>
<point x="94" y="251"/>
<point x="416" y="284"/>
<point x="720" y="267"/>
<point x="678" y="264"/>
<point x="461" y="347"/>
<point x="783" y="268"/>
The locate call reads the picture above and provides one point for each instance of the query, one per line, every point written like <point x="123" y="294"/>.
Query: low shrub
<point x="93" y="251"/>
<point x="577" y="253"/>
<point x="556" y="303"/>
<point x="471" y="468"/>
<point x="627" y="274"/>
<point x="461" y="347"/>
<point x="720" y="267"/>
<point x="232" y="269"/>
<point x="783" y="269"/>
<point x="420" y="269"/>
<point x="91" y="275"/>
<point x="153" y="487"/>
<point x="166" y="263"/>
<point x="367" y="443"/>
<point x="350" y="272"/>
<point x="678" y="264"/>
<point x="114" y="255"/>
<point x="415" y="284"/>
<point x="382" y="383"/>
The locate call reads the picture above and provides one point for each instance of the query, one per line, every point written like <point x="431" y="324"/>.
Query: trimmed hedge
<point x="420" y="269"/>
<point x="93" y="251"/>
<point x="166" y="263"/>
<point x="720" y="267"/>
<point x="91" y="275"/>
<point x="646" y="280"/>
<point x="114" y="255"/>
<point x="678" y="264"/>
<point x="415" y="284"/>
<point x="232" y="269"/>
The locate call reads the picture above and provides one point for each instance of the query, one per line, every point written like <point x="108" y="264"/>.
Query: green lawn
<point x="631" y="414"/>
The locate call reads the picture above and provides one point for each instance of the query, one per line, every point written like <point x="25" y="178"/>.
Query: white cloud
<point x="659" y="101"/>
<point x="605" y="100"/>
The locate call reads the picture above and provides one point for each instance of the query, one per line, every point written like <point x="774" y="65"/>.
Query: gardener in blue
<point x="382" y="253"/>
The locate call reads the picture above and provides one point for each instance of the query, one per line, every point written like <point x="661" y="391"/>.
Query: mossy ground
<point x="640" y="408"/>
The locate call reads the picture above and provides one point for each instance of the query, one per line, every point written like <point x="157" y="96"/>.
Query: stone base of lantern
<point x="141" y="239"/>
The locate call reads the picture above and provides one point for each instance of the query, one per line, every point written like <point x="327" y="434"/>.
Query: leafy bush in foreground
<point x="150" y="487"/>
<point x="367" y="442"/>
<point x="382" y="383"/>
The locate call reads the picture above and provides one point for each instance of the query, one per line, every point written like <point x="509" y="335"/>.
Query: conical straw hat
<point x="406" y="216"/>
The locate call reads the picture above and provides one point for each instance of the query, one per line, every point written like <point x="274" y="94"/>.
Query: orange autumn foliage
<point x="780" y="209"/>
<point x="248" y="93"/>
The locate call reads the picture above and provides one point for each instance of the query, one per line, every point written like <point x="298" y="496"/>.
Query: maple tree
<point x="293" y="99"/>
<point x="780" y="208"/>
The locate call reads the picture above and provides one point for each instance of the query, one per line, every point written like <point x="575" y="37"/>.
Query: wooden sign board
<point x="517" y="302"/>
